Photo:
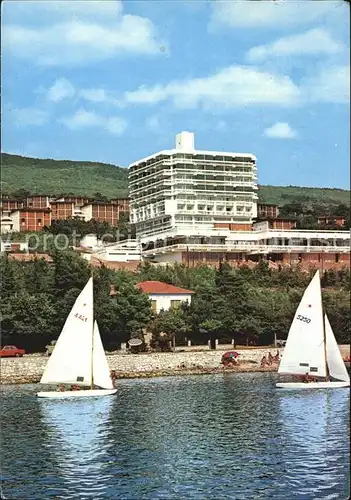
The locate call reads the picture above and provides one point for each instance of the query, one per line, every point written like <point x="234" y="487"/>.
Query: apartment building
<point x="30" y="219"/>
<point x="325" y="220"/>
<point x="122" y="203"/>
<point x="267" y="211"/>
<point x="101" y="212"/>
<point x="38" y="201"/>
<point x="78" y="201"/>
<point x="9" y="204"/>
<point x="184" y="192"/>
<point x="62" y="210"/>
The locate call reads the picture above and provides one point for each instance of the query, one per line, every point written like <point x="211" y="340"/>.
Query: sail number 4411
<point x="303" y="318"/>
<point x="81" y="317"/>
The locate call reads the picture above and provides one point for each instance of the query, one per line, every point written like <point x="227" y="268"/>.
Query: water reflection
<point x="224" y="437"/>
<point x="76" y="432"/>
<point x="315" y="455"/>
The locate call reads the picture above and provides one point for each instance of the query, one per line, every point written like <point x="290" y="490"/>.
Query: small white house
<point x="163" y="295"/>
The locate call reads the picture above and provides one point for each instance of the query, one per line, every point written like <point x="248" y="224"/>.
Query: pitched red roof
<point x="28" y="257"/>
<point x="158" y="287"/>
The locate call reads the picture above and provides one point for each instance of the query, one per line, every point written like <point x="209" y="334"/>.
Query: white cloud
<point x="89" y="119"/>
<point x="61" y="89"/>
<point x="29" y="116"/>
<point x="280" y="130"/>
<point x="330" y="85"/>
<point x="82" y="119"/>
<point x="231" y="87"/>
<point x="312" y="42"/>
<point x="277" y="15"/>
<point x="94" y="95"/>
<point x="45" y="9"/>
<point x="115" y="125"/>
<point x="91" y="32"/>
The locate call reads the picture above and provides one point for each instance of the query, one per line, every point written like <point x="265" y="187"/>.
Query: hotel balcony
<point x="246" y="247"/>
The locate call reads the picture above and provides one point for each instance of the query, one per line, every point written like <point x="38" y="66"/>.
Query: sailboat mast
<point x="92" y="334"/>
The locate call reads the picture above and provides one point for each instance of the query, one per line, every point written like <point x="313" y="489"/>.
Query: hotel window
<point x="39" y="222"/>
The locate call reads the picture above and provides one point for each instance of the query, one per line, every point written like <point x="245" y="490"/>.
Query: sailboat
<point x="311" y="348"/>
<point x="78" y="357"/>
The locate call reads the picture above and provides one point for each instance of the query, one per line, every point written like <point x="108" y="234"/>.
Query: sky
<point x="114" y="81"/>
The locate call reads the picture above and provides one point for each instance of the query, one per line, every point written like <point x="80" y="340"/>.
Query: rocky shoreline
<point x="29" y="369"/>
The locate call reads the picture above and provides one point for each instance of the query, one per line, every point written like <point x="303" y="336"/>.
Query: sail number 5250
<point x="303" y="318"/>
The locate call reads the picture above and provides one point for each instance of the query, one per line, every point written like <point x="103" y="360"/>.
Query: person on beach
<point x="263" y="362"/>
<point x="276" y="358"/>
<point x="113" y="376"/>
<point x="270" y="358"/>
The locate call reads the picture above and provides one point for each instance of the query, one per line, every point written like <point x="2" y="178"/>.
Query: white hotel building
<point x="199" y="206"/>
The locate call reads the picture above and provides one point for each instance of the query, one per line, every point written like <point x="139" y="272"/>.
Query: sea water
<point x="230" y="436"/>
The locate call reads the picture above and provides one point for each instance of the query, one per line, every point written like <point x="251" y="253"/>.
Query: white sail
<point x="70" y="362"/>
<point x="304" y="351"/>
<point x="336" y="365"/>
<point x="100" y="366"/>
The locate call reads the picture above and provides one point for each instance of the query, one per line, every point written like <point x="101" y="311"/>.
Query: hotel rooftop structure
<point x="193" y="206"/>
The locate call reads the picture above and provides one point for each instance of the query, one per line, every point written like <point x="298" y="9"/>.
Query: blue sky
<point x="114" y="81"/>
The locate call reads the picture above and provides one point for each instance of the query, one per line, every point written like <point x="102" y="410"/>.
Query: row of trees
<point x="306" y="215"/>
<point x="250" y="305"/>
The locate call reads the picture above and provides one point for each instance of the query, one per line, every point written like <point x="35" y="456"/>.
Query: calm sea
<point x="232" y="436"/>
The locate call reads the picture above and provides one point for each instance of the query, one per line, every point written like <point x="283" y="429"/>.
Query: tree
<point x="39" y="276"/>
<point x="129" y="313"/>
<point x="169" y="326"/>
<point x="9" y="273"/>
<point x="29" y="319"/>
<point x="99" y="197"/>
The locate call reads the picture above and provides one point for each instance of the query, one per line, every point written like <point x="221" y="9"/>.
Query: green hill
<point x="283" y="195"/>
<point x="56" y="177"/>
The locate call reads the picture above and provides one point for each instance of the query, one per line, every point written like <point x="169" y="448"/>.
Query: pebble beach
<point x="29" y="368"/>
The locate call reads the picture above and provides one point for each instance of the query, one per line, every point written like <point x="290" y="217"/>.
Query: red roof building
<point x="163" y="295"/>
<point x="160" y="288"/>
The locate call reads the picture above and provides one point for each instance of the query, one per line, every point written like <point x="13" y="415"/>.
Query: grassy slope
<point x="62" y="177"/>
<point x="86" y="178"/>
<point x="281" y="195"/>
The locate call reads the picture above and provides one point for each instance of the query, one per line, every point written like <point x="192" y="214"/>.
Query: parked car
<point x="11" y="351"/>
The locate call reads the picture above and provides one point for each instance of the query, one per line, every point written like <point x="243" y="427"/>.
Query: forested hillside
<point x="56" y="177"/>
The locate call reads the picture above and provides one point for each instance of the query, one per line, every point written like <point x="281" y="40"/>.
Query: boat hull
<point x="76" y="394"/>
<point x="312" y="385"/>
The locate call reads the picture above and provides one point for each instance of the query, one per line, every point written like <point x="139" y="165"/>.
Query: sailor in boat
<point x="307" y="378"/>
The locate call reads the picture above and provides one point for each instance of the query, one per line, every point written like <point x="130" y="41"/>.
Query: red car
<point x="11" y="351"/>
